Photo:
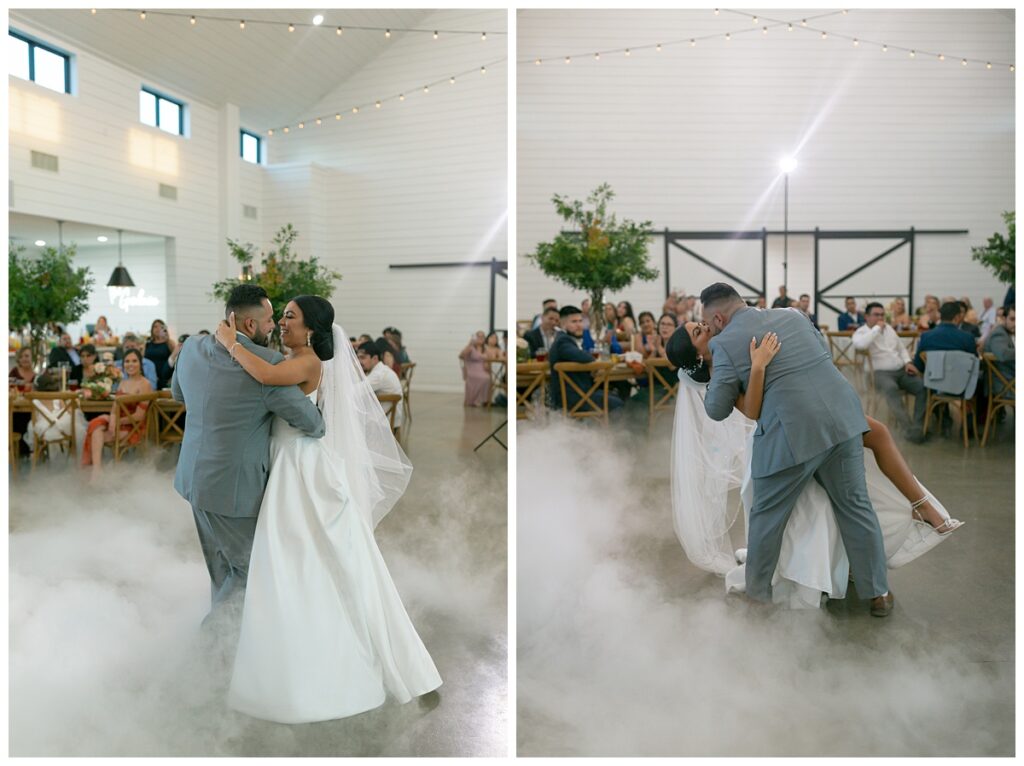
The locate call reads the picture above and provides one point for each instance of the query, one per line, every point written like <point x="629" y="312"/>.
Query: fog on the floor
<point x="616" y="658"/>
<point x="108" y="588"/>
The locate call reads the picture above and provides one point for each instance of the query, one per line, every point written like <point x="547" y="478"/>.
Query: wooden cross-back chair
<point x="909" y="339"/>
<point x="586" y="407"/>
<point x="390" y="404"/>
<point x="167" y="419"/>
<point x="1007" y="396"/>
<point x="660" y="372"/>
<point x="408" y="368"/>
<point x="937" y="400"/>
<point x="44" y="420"/>
<point x="496" y="367"/>
<point x="840" y="345"/>
<point x="125" y="441"/>
<point x="530" y="378"/>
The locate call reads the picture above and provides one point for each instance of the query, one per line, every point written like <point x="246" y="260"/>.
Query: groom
<point x="222" y="468"/>
<point x="811" y="427"/>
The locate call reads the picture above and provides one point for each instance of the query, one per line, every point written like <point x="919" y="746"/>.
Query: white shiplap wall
<point x="690" y="138"/>
<point x="111" y="167"/>
<point x="418" y="181"/>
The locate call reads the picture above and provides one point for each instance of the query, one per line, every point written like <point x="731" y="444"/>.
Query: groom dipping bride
<point x="810" y="425"/>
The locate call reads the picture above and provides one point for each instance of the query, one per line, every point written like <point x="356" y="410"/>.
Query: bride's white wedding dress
<point x="709" y="458"/>
<point x="324" y="633"/>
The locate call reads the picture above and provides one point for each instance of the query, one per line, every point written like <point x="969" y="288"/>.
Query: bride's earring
<point x="308" y="337"/>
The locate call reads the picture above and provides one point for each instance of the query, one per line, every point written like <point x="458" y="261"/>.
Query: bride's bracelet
<point x="231" y="351"/>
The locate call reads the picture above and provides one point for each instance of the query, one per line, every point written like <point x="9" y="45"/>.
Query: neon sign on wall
<point x="127" y="298"/>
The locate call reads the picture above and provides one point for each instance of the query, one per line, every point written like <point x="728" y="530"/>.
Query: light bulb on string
<point x="483" y="36"/>
<point x="426" y="89"/>
<point x="597" y="57"/>
<point x="716" y="11"/>
<point x="803" y="22"/>
<point x="451" y="81"/>
<point x="628" y="52"/>
<point x="285" y="128"/>
<point x="988" y="65"/>
<point x="824" y="35"/>
<point x="401" y="97"/>
<point x="941" y="57"/>
<point x="568" y="60"/>
<point x="355" y="110"/>
<point x="885" y="48"/>
<point x="337" y="116"/>
<point x="764" y="30"/>
<point x="291" y="27"/>
<point x="483" y="70"/>
<point x="845" y="11"/>
<point x="755" y="20"/>
<point x="913" y="54"/>
<point x="789" y="27"/>
<point x="302" y="125"/>
<point x="693" y="43"/>
<point x="318" y="20"/>
<point x="339" y="31"/>
<point x="377" y="104"/>
<point x="142" y="15"/>
<point x="92" y="11"/>
<point x="856" y="42"/>
<point x="387" y="34"/>
<point x="241" y="24"/>
<point x="963" y="62"/>
<point x="728" y="36"/>
<point x="435" y="34"/>
<point x="270" y="132"/>
<point x="658" y="47"/>
<point x="318" y="121"/>
<point x="536" y="62"/>
<point x="1012" y="68"/>
<point x="192" y="21"/>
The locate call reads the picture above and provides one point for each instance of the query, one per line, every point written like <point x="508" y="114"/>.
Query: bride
<point x="324" y="633"/>
<point x="709" y="458"/>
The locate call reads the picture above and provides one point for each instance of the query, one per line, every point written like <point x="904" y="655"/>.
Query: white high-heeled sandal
<point x="945" y="528"/>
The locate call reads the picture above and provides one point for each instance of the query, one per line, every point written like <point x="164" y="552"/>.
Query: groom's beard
<point x="260" y="339"/>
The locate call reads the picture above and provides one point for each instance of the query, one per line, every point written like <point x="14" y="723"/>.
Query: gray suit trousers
<point x="227" y="543"/>
<point x="840" y="471"/>
<point x="891" y="384"/>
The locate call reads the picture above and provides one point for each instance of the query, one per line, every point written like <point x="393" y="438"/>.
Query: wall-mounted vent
<point x="249" y="212"/>
<point x="168" y="192"/>
<point x="44" y="161"/>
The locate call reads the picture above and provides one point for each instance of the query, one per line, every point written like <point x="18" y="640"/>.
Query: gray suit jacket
<point x="224" y="457"/>
<point x="809" y="407"/>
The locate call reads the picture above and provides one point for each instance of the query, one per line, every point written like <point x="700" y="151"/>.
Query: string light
<point x="142" y="15"/>
<point x="885" y="48"/>
<point x="716" y="11"/>
<point x="302" y="125"/>
<point x="291" y="27"/>
<point x="451" y="81"/>
<point x="963" y="62"/>
<point x="789" y="27"/>
<point x="317" y="120"/>
<point x="1012" y="68"/>
<point x="693" y="43"/>
<point x="628" y="52"/>
<point x="426" y="89"/>
<point x="355" y="110"/>
<point x="241" y="24"/>
<point x="755" y="20"/>
<point x="377" y="104"/>
<point x="941" y="57"/>
<point x="568" y="60"/>
<point x="483" y="70"/>
<point x="93" y="11"/>
<point x="536" y="62"/>
<point x="192" y="21"/>
<point x="483" y="36"/>
<point x="912" y="54"/>
<point x="764" y="30"/>
<point x="845" y="11"/>
<point x="401" y="97"/>
<point x="285" y="128"/>
<point x="435" y="34"/>
<point x="387" y="34"/>
<point x="803" y="22"/>
<point x="597" y="57"/>
<point x="339" y="31"/>
<point x="988" y="65"/>
<point x="824" y="35"/>
<point x="337" y="116"/>
<point x="318" y="20"/>
<point x="856" y="42"/>
<point x="658" y="47"/>
<point x="728" y="36"/>
<point x="270" y="132"/>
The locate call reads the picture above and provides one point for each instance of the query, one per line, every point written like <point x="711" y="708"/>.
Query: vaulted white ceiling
<point x="271" y="74"/>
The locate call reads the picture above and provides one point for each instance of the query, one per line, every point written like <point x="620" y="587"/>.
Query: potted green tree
<point x="999" y="254"/>
<point x="600" y="254"/>
<point x="283" y="274"/>
<point x="43" y="290"/>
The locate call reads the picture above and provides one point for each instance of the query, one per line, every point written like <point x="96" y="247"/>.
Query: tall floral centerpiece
<point x="600" y="254"/>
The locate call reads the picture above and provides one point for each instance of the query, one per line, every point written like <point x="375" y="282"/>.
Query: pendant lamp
<point x="120" y="277"/>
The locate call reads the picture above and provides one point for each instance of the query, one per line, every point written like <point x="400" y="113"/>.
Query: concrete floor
<point x="625" y="648"/>
<point x="108" y="587"/>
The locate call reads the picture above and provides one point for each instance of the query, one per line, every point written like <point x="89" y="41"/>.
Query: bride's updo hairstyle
<point x="683" y="354"/>
<point x="318" y="316"/>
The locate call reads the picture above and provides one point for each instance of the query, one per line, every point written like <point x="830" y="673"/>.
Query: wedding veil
<point x="709" y="458"/>
<point x="358" y="434"/>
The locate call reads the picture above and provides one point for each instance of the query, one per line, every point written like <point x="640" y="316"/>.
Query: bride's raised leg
<point x="890" y="461"/>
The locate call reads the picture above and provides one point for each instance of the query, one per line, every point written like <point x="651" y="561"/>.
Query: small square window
<point x="169" y="116"/>
<point x="17" y="57"/>
<point x="250" y="147"/>
<point x="49" y="69"/>
<point x="147" y="108"/>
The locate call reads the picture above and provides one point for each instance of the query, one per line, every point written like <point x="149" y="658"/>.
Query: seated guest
<point x="492" y="349"/>
<point x="1002" y="343"/>
<point x="894" y="370"/>
<point x="541" y="337"/>
<point x="475" y="372"/>
<point x="131" y="342"/>
<point x="585" y="309"/>
<point x="611" y="318"/>
<point x="648" y="331"/>
<point x="782" y="302"/>
<point x="568" y="348"/>
<point x="23" y="372"/>
<point x="84" y="371"/>
<point x="946" y="336"/>
<point x="63" y="352"/>
<point x="899" y="319"/>
<point x="988" y="317"/>
<point x="101" y="333"/>
<point x="52" y="428"/>
<point x="99" y="431"/>
<point x="546" y="304"/>
<point x="382" y="379"/>
<point x="805" y="308"/>
<point x="850" y="319"/>
<point x="626" y="320"/>
<point x="667" y="325"/>
<point x="928" y="315"/>
<point x="971" y="328"/>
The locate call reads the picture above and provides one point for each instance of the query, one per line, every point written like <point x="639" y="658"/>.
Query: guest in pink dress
<point x="475" y="372"/>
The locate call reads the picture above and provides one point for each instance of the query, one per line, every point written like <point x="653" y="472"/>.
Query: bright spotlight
<point x="101" y="239"/>
<point x="40" y="243"/>
<point x="318" y="20"/>
<point x="787" y="164"/>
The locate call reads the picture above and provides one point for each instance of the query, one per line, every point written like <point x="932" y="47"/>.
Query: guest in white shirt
<point x="894" y="369"/>
<point x="988" y="317"/>
<point x="382" y="378"/>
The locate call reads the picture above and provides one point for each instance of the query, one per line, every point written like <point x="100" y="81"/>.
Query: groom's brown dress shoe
<point x="881" y="606"/>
